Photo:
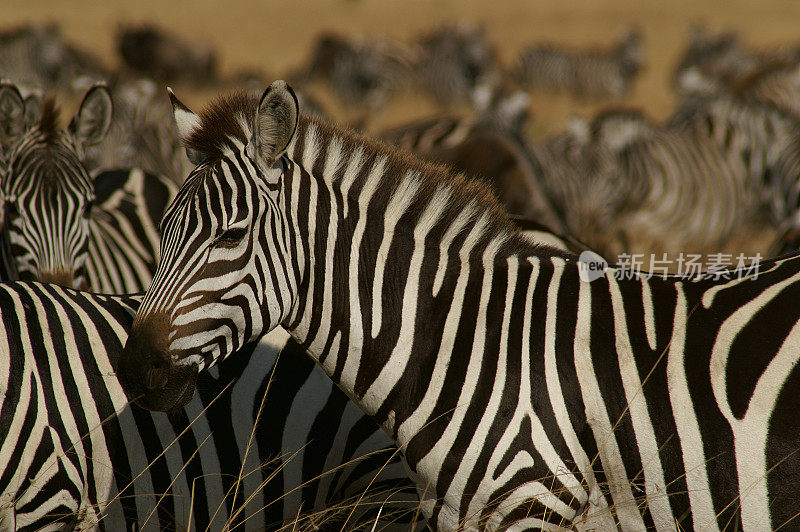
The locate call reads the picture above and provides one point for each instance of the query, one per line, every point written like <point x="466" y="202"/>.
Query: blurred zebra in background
<point x="749" y="131"/>
<point x="489" y="145"/>
<point x="454" y="61"/>
<point x="37" y="56"/>
<point x="62" y="225"/>
<point x="164" y="56"/>
<point x="359" y="72"/>
<point x="142" y="133"/>
<point x="586" y="73"/>
<point x="265" y="443"/>
<point x="718" y="64"/>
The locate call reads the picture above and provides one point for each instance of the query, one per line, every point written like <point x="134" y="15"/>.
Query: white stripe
<point x="750" y="433"/>
<point x="597" y="417"/>
<point x="356" y="337"/>
<point x="694" y="461"/>
<point x="646" y="441"/>
<point x="398" y="204"/>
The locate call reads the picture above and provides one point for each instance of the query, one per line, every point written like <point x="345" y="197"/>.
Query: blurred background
<point x="276" y="36"/>
<point x="620" y="113"/>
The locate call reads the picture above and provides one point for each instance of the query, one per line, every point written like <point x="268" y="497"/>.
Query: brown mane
<point x="220" y="122"/>
<point x="48" y="124"/>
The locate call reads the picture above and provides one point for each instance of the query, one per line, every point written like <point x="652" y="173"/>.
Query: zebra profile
<point x="60" y="224"/>
<point x="245" y="453"/>
<point x="585" y="73"/>
<point x="522" y="393"/>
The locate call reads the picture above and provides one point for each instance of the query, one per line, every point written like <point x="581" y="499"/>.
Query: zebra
<point x="719" y="64"/>
<point x="360" y="72"/>
<point x="584" y="73"/>
<point x="142" y="134"/>
<point x="152" y="52"/>
<point x="777" y="85"/>
<point x="37" y="55"/>
<point x="454" y="61"/>
<point x="490" y="145"/>
<point x="623" y="182"/>
<point x="61" y="225"/>
<point x="522" y="393"/>
<point x="265" y="443"/>
<point x="754" y="132"/>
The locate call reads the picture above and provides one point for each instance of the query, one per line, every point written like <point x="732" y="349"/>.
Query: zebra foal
<point x="522" y="394"/>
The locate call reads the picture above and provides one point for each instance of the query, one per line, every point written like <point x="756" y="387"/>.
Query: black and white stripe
<point x="74" y="453"/>
<point x="522" y="395"/>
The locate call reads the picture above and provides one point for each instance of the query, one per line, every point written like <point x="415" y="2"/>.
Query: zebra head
<point x="225" y="272"/>
<point x="45" y="189"/>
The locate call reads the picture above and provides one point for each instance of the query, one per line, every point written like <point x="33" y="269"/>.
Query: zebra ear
<point x="185" y="120"/>
<point x="93" y="120"/>
<point x="33" y="108"/>
<point x="12" y="114"/>
<point x="275" y="123"/>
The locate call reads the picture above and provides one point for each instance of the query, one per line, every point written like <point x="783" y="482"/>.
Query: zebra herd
<point x="485" y="377"/>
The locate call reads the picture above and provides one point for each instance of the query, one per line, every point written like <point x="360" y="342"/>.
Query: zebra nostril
<point x="157" y="378"/>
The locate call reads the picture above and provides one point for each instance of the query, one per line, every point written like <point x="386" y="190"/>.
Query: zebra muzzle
<point x="157" y="378"/>
<point x="150" y="378"/>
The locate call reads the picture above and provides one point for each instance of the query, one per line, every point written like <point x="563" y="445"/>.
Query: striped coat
<point x="527" y="389"/>
<point x="75" y="453"/>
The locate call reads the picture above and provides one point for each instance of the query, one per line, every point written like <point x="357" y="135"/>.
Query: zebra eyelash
<point x="231" y="237"/>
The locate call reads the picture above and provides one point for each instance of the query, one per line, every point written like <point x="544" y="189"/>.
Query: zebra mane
<point x="474" y="196"/>
<point x="48" y="123"/>
<point x="228" y="121"/>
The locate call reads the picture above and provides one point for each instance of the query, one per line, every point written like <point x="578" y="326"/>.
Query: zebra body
<point x="455" y="61"/>
<point x="522" y="394"/>
<point x="59" y="223"/>
<point x="74" y="452"/>
<point x="586" y="73"/>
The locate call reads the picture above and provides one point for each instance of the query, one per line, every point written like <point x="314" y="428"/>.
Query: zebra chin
<point x="151" y="379"/>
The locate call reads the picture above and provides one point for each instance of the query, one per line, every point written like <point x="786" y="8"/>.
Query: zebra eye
<point x="231" y="237"/>
<point x="11" y="209"/>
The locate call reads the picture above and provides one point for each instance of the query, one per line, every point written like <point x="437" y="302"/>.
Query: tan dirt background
<point x="277" y="35"/>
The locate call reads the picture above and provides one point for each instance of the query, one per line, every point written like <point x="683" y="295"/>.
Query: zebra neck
<point x="382" y="245"/>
